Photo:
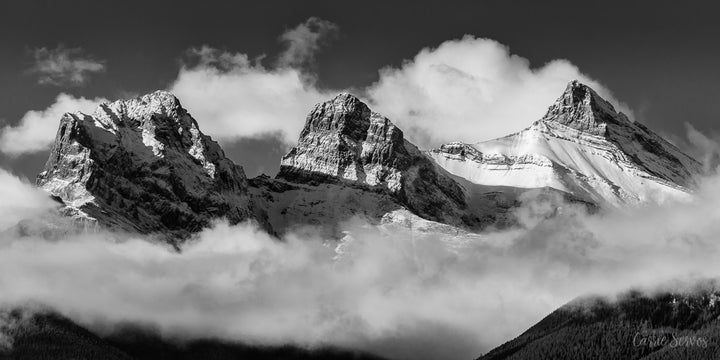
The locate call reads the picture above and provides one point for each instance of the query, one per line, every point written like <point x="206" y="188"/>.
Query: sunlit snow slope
<point x="582" y="146"/>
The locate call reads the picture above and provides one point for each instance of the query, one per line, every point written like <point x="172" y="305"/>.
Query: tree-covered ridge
<point x="637" y="325"/>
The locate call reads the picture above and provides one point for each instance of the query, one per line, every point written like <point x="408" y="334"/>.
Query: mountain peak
<point x="581" y="108"/>
<point x="148" y="108"/>
<point x="143" y="164"/>
<point x="343" y="138"/>
<point x="582" y="146"/>
<point x="159" y="99"/>
<point x="346" y="96"/>
<point x="343" y="141"/>
<point x="577" y="92"/>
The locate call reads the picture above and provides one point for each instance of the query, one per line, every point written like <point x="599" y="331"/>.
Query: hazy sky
<point x="657" y="57"/>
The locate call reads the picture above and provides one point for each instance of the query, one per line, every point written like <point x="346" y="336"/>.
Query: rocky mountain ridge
<point x="343" y="140"/>
<point x="143" y="165"/>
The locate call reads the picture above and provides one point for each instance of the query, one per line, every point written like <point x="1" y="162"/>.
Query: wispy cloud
<point x="206" y="56"/>
<point x="303" y="42"/>
<point x="63" y="66"/>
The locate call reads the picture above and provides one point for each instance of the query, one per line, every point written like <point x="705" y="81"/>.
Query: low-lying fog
<point x="394" y="291"/>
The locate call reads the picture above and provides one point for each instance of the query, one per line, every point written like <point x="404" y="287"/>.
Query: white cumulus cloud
<point x="471" y="89"/>
<point x="37" y="128"/>
<point x="233" y="98"/>
<point x="468" y="89"/>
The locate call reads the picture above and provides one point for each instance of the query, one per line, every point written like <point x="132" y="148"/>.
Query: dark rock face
<point x="344" y="141"/>
<point x="581" y="108"/>
<point x="143" y="165"/>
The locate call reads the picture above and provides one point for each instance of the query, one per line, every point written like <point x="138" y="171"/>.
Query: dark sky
<point x="659" y="57"/>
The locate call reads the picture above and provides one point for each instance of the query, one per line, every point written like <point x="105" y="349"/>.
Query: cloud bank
<point x="394" y="291"/>
<point x="65" y="66"/>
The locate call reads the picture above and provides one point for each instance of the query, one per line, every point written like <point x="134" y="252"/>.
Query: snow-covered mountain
<point x="143" y="165"/>
<point x="581" y="146"/>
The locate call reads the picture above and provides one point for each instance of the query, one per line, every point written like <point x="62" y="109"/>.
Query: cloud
<point x="471" y="89"/>
<point x="304" y="41"/>
<point x="20" y="200"/>
<point x="64" y="66"/>
<point x="206" y="56"/>
<point x="394" y="291"/>
<point x="37" y="128"/>
<point x="703" y="147"/>
<point x="232" y="97"/>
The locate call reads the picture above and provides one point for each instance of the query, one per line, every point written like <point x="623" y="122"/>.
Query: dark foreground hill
<point x="667" y="325"/>
<point x="45" y="335"/>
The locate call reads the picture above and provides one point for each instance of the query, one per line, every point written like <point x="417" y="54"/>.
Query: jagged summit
<point x="122" y="112"/>
<point x="345" y="96"/>
<point x="344" y="139"/>
<point x="143" y="165"/>
<point x="581" y="108"/>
